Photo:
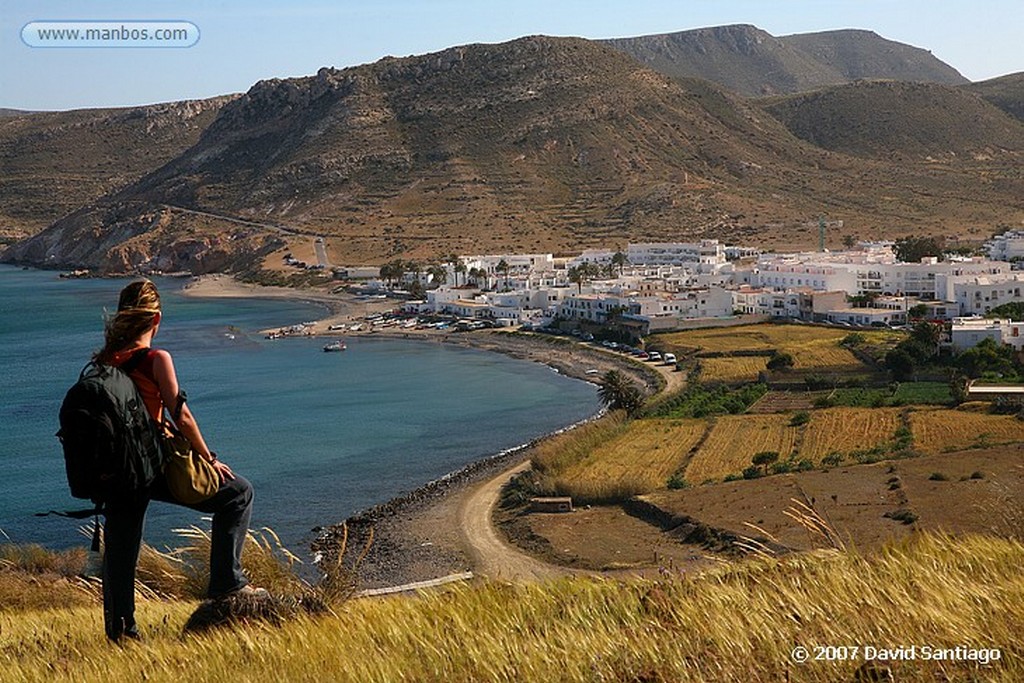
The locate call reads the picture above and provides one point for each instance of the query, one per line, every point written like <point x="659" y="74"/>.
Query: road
<point x="491" y="556"/>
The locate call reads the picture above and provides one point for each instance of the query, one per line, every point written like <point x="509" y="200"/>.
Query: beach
<point x="426" y="533"/>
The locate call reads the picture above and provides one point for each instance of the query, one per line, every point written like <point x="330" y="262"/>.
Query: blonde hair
<point x="137" y="307"/>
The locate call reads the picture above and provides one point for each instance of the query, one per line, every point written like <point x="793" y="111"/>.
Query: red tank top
<point x="144" y="379"/>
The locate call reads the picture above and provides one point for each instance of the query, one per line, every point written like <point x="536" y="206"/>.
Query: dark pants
<point x="231" y="508"/>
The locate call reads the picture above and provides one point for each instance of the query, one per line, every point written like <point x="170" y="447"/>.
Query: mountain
<point x="536" y="145"/>
<point x="54" y="162"/>
<point x="1005" y="92"/>
<point x="750" y="61"/>
<point x="888" y="119"/>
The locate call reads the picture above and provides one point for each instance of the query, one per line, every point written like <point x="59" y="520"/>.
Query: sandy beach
<point x="422" y="534"/>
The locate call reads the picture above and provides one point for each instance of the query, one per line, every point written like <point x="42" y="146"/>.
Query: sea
<point x="320" y="435"/>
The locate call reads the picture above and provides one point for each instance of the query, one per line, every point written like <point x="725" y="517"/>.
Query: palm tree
<point x="575" y="276"/>
<point x="618" y="392"/>
<point x="619" y="259"/>
<point x="460" y="267"/>
<point x="438" y="274"/>
<point x="503" y="267"/>
<point x="474" y="275"/>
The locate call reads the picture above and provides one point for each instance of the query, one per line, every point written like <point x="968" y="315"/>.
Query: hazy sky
<point x="243" y="42"/>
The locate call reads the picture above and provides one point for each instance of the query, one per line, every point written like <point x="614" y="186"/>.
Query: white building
<point x="1006" y="247"/>
<point x="977" y="295"/>
<point x="705" y="256"/>
<point x="968" y="332"/>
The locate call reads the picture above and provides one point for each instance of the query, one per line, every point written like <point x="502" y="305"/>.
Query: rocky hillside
<point x="1006" y="92"/>
<point x="55" y="162"/>
<point x="893" y="120"/>
<point x="539" y="144"/>
<point x="750" y="61"/>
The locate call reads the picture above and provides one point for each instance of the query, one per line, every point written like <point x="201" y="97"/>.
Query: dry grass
<point x="843" y="430"/>
<point x="642" y="458"/>
<point x="732" y="369"/>
<point x="812" y="348"/>
<point x="734" y="623"/>
<point x="735" y="439"/>
<point x="763" y="337"/>
<point x="938" y="431"/>
<point x="553" y="456"/>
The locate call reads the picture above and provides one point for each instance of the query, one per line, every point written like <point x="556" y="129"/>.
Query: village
<point x="661" y="287"/>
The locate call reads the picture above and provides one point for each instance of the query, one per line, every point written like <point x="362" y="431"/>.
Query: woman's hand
<point x="223" y="471"/>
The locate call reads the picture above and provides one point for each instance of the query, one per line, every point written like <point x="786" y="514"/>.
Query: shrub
<point x="677" y="482"/>
<point x="902" y="515"/>
<point x="938" y="476"/>
<point x="832" y="459"/>
<point x="801" y="417"/>
<point x="752" y="472"/>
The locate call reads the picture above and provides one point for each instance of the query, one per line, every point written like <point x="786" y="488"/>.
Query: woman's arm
<point x="167" y="381"/>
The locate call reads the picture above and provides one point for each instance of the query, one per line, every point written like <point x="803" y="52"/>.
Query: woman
<point x="129" y="334"/>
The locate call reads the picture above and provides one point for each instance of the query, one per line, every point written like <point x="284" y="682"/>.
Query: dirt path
<point x="491" y="556"/>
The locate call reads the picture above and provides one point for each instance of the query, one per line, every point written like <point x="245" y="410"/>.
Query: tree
<point x="849" y="241"/>
<point x="900" y="363"/>
<point x="917" y="311"/>
<point x="438" y="274"/>
<point x="619" y="260"/>
<point x="474" y="275"/>
<point x="619" y="393"/>
<point x="988" y="357"/>
<point x="764" y="459"/>
<point x="780" y="360"/>
<point x="1013" y="310"/>
<point x="913" y="249"/>
<point x="460" y="267"/>
<point x="503" y="267"/>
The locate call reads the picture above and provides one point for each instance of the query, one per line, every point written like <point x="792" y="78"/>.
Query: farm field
<point x="732" y="369"/>
<point x="735" y="439"/>
<point x="812" y="347"/>
<point x="764" y="337"/>
<point x="641" y="458"/>
<point x="842" y="430"/>
<point x="940" y="431"/>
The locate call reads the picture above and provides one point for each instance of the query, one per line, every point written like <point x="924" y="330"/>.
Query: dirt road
<point x="491" y="556"/>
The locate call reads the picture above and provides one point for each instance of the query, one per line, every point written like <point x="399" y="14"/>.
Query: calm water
<point x="320" y="435"/>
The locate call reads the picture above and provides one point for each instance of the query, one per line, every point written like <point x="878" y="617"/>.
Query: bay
<point x="320" y="435"/>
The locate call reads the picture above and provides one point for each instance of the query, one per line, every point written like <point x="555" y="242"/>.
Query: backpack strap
<point x="82" y="514"/>
<point x="135" y="360"/>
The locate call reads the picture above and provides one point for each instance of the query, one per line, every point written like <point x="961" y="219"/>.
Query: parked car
<point x="670" y="359"/>
<point x="654" y="356"/>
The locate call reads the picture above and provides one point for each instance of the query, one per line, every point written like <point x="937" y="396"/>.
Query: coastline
<point x="416" y="535"/>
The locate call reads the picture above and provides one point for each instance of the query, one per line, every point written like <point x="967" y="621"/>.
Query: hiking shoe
<point x="247" y="591"/>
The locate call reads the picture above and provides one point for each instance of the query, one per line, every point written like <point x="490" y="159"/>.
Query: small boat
<point x="334" y="346"/>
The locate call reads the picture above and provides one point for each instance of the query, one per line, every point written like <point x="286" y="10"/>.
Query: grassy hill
<point x="737" y="622"/>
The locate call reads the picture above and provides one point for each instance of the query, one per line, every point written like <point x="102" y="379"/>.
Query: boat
<point x="334" y="346"/>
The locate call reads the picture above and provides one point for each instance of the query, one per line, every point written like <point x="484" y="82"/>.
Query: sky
<point x="240" y="43"/>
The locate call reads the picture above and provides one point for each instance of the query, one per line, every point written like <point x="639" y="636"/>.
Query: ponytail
<point x="137" y="308"/>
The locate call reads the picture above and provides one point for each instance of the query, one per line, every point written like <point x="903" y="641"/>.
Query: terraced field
<point x="732" y="369"/>
<point x="812" y="347"/>
<point x="642" y="457"/>
<point x="940" y="431"/>
<point x="735" y="439"/>
<point x="842" y="430"/>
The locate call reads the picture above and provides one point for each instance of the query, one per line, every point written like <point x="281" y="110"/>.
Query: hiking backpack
<point x="111" y="445"/>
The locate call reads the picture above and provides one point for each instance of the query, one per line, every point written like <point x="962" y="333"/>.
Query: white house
<point x="968" y="332"/>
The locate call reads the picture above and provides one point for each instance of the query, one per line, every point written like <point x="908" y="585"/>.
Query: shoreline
<point x="415" y="535"/>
